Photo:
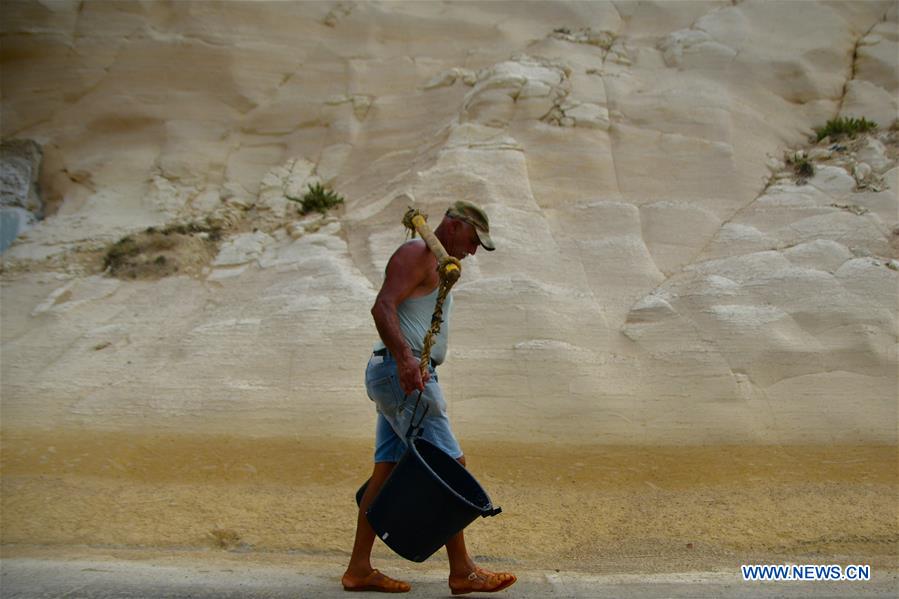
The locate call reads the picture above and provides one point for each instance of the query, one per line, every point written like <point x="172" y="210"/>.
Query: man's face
<point x="465" y="240"/>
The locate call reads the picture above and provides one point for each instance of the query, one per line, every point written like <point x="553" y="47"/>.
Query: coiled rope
<point x="448" y="268"/>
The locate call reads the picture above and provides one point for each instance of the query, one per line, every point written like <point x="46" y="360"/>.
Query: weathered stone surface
<point x="20" y="201"/>
<point x="864" y="98"/>
<point x="874" y="154"/>
<point x="661" y="272"/>
<point x="20" y="165"/>
<point x="873" y="89"/>
<point x="13" y="222"/>
<point x="242" y="249"/>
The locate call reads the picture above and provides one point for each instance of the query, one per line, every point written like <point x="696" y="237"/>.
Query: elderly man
<point x="402" y="314"/>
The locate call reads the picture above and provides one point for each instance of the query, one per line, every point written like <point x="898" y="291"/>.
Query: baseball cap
<point x="475" y="216"/>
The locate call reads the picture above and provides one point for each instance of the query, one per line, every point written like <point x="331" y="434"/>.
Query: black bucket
<point x="428" y="498"/>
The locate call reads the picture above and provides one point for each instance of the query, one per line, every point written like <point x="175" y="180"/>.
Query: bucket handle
<point x="415" y="430"/>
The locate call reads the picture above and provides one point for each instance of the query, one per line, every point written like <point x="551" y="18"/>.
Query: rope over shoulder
<point x="448" y="268"/>
<point x="407" y="221"/>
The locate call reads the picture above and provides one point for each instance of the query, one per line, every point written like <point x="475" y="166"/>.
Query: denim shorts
<point x="395" y="411"/>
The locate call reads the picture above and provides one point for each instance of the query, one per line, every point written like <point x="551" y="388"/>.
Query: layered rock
<point x="20" y="202"/>
<point x="659" y="276"/>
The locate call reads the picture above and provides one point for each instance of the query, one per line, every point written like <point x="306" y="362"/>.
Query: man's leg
<point x="359" y="574"/>
<point x="465" y="576"/>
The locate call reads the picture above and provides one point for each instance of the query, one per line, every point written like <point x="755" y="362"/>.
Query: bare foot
<point x="481" y="581"/>
<point x="374" y="581"/>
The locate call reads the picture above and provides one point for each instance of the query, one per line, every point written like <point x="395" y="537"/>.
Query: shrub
<point x="120" y="252"/>
<point x="845" y="126"/>
<point x="802" y="166"/>
<point x="317" y="199"/>
<point x="155" y="253"/>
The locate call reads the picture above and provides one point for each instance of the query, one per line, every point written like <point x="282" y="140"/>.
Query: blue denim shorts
<point x="395" y="411"/>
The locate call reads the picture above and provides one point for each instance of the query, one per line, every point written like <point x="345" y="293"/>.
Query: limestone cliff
<point x="661" y="274"/>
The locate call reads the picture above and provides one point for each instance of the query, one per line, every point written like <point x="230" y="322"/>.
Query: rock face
<point x="20" y="202"/>
<point x="661" y="275"/>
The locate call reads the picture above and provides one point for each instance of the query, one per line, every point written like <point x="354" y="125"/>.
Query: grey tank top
<point x="415" y="320"/>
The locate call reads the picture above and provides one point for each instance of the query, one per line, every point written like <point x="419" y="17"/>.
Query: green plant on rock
<point x="317" y="199"/>
<point x="120" y="252"/>
<point x="845" y="126"/>
<point x="802" y="166"/>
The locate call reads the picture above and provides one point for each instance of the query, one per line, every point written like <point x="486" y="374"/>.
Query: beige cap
<point x="476" y="217"/>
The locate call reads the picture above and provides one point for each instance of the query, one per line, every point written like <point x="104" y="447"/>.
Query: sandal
<point x="486" y="582"/>
<point x="379" y="583"/>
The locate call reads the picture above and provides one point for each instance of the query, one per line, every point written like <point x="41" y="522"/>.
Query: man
<point x="402" y="314"/>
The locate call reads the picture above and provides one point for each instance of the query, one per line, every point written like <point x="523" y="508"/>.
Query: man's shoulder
<point x="414" y="249"/>
<point x="414" y="243"/>
<point x="413" y="258"/>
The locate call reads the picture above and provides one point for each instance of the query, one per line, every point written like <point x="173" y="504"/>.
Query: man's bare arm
<point x="408" y="268"/>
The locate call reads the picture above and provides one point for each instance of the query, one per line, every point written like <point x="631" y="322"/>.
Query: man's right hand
<point x="409" y="370"/>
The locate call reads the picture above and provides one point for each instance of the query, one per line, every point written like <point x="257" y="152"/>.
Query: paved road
<point x="30" y="578"/>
